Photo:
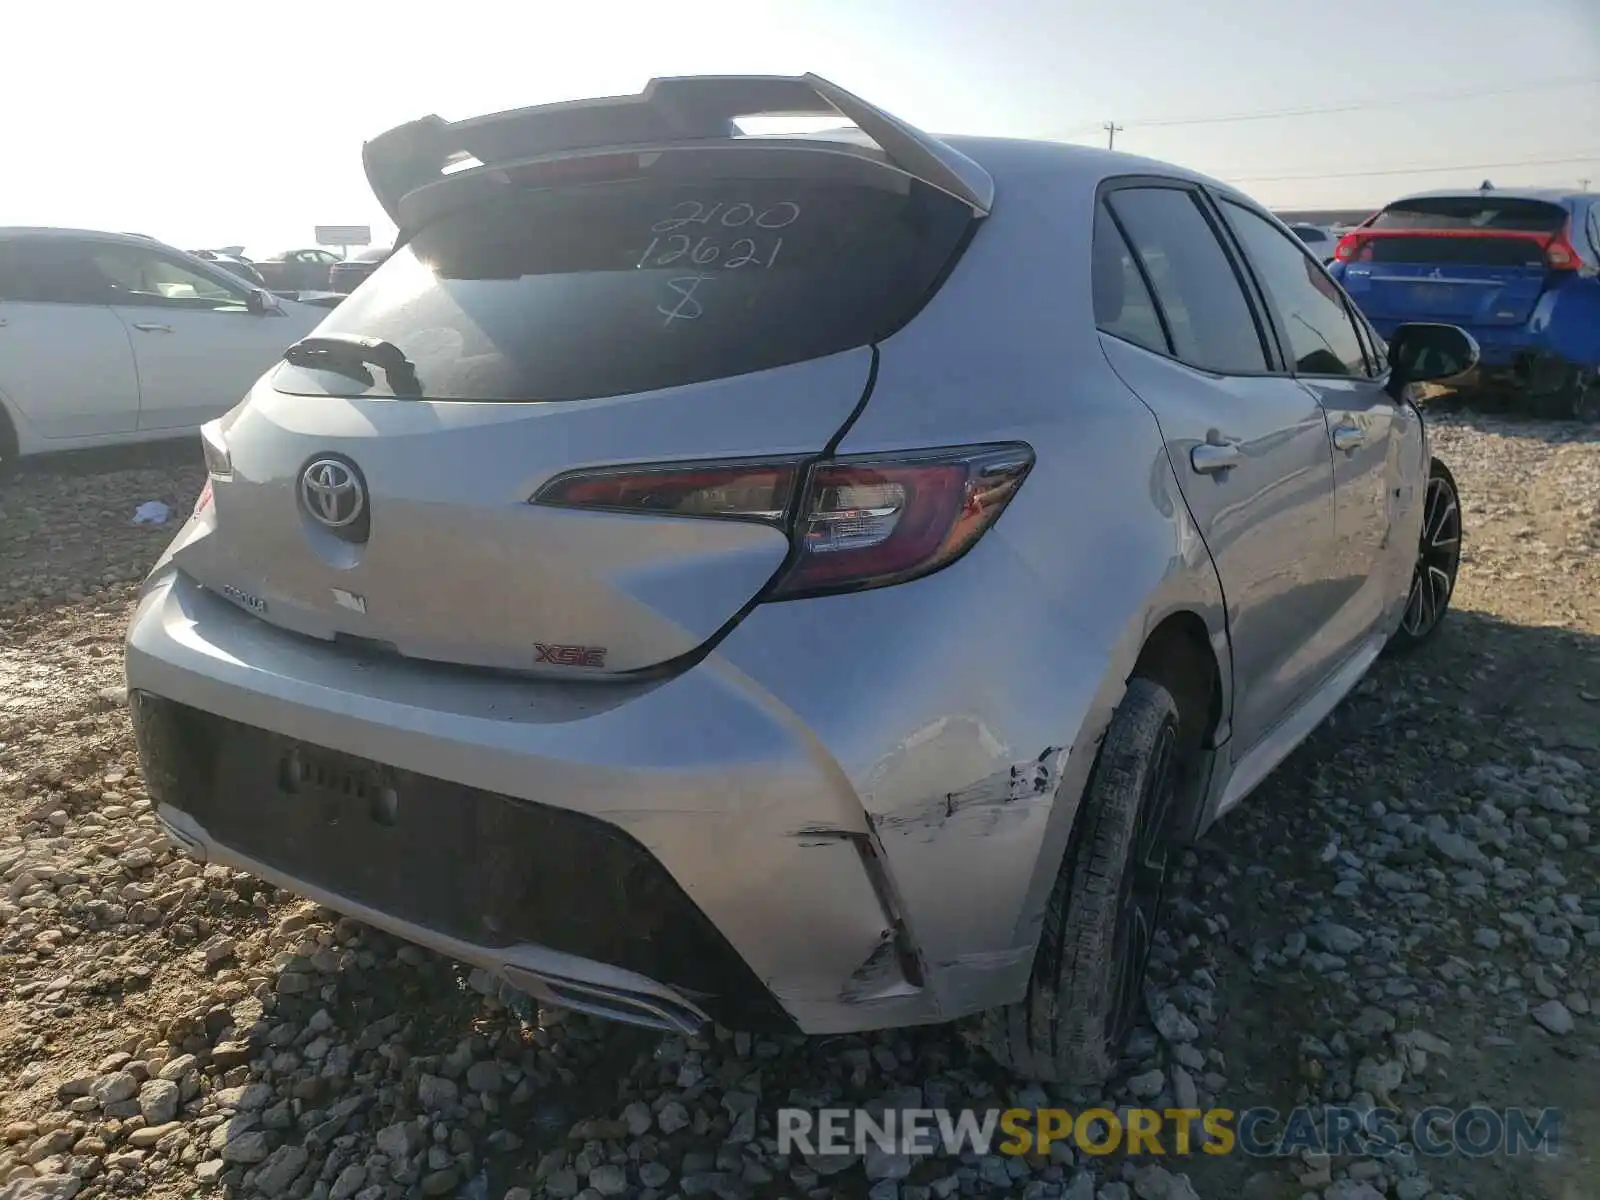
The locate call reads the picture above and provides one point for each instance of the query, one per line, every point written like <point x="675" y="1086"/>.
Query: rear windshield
<point x="616" y="288"/>
<point x="1461" y="252"/>
<point x="1473" y="212"/>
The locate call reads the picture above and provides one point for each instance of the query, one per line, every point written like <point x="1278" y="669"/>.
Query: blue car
<point x="1517" y="268"/>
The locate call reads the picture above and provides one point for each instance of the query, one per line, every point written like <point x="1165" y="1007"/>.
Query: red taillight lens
<point x="1560" y="254"/>
<point x="204" y="501"/>
<point x="749" y="491"/>
<point x="861" y="522"/>
<point x="1350" y="247"/>
<point x="866" y="523"/>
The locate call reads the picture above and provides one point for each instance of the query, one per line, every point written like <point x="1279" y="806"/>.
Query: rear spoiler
<point x="683" y="109"/>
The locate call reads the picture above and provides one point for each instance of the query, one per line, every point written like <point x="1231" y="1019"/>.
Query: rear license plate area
<point x="398" y="842"/>
<point x="342" y="788"/>
<point x="1433" y="295"/>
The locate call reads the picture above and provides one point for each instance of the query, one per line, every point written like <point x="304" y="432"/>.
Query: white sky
<point x="207" y="124"/>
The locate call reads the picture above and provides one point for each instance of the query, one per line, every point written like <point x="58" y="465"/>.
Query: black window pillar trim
<point x="1277" y="362"/>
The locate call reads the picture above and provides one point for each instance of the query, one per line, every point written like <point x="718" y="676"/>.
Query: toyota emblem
<point x="332" y="493"/>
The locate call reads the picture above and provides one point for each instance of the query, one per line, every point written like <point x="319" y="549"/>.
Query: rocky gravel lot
<point x="1406" y="914"/>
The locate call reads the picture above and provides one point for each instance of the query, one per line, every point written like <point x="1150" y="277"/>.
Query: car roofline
<point x="104" y="235"/>
<point x="1547" y="195"/>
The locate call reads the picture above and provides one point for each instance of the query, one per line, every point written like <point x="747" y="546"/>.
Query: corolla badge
<point x="240" y="596"/>
<point x="332" y="493"/>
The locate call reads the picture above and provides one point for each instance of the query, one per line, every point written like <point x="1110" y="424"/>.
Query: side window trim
<point x="1376" y="366"/>
<point x="1102" y="208"/>
<point x="1346" y="305"/>
<point x="1267" y="326"/>
<point x="1270" y="350"/>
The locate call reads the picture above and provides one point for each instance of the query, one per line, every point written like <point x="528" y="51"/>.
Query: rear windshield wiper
<point x="348" y="354"/>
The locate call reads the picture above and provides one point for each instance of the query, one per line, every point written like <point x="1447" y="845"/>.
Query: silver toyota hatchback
<point x="806" y="583"/>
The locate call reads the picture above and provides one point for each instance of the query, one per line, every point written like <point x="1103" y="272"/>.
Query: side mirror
<point x="1424" y="353"/>
<point x="263" y="303"/>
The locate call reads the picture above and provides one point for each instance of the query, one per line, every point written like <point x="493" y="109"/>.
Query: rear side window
<point x="50" y="271"/>
<point x="610" y="289"/>
<point x="1466" y="213"/>
<point x="1207" y="315"/>
<point x="1122" y="303"/>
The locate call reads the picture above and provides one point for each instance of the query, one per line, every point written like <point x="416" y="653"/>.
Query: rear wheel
<point x="1584" y="401"/>
<point x="8" y="448"/>
<point x="1564" y="392"/>
<point x="1433" y="579"/>
<point x="1088" y="972"/>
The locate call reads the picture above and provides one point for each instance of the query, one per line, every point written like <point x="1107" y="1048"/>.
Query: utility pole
<point x="1583" y="185"/>
<point x="1112" y="129"/>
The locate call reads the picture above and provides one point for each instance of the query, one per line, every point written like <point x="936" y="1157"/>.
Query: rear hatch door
<point x="552" y="328"/>
<point x="1474" y="260"/>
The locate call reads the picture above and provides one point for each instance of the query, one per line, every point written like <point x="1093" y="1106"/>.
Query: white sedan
<point x="108" y="338"/>
<point x="1318" y="240"/>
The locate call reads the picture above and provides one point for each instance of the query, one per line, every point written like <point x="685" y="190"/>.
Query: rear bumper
<point x="1562" y="329"/>
<point x="672" y="850"/>
<point x="545" y="974"/>
<point x="565" y="907"/>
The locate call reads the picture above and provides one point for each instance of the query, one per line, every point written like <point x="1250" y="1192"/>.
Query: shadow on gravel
<point x="177" y="452"/>
<point x="1443" y="814"/>
<point x="1474" y="412"/>
<point x="1442" y="799"/>
<point x="366" y="1063"/>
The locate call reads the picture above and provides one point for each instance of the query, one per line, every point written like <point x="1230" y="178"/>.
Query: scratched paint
<point x="1008" y="796"/>
<point x="820" y="835"/>
<point x="879" y="971"/>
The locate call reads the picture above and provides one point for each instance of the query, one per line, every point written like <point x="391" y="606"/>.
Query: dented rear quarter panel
<point x="978" y="696"/>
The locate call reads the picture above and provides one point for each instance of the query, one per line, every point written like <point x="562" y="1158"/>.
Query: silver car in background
<point x="802" y="583"/>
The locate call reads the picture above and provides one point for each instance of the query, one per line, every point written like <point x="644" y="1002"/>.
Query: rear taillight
<point x="856" y="523"/>
<point x="871" y="522"/>
<point x="1351" y="246"/>
<point x="219" y="463"/>
<point x="758" y="491"/>
<point x="1560" y="254"/>
<point x="204" y="502"/>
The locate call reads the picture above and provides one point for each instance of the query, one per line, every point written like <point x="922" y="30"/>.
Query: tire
<point x="1584" y="403"/>
<point x="1433" y="579"/>
<point x="1565" y="393"/>
<point x="9" y="453"/>
<point x="1088" y="971"/>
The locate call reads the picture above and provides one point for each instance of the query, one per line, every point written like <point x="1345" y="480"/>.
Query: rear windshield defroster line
<point x="620" y="288"/>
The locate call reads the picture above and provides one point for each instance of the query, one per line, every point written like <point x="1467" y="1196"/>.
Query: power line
<point x="1355" y="106"/>
<point x="1479" y="166"/>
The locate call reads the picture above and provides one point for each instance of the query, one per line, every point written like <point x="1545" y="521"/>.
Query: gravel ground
<point x="1405" y="914"/>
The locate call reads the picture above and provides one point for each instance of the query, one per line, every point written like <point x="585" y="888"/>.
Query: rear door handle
<point x="1210" y="458"/>
<point x="1348" y="438"/>
<point x="152" y="327"/>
